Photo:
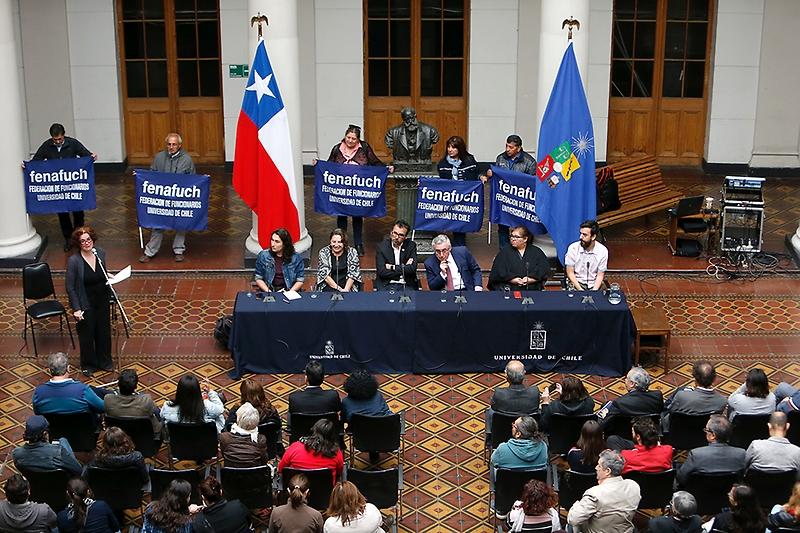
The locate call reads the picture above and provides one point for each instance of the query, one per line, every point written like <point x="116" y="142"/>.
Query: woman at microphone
<point x="338" y="269"/>
<point x="521" y="266"/>
<point x="89" y="298"/>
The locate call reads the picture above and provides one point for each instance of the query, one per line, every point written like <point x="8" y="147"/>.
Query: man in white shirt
<point x="586" y="260"/>
<point x="396" y="260"/>
<point x="451" y="268"/>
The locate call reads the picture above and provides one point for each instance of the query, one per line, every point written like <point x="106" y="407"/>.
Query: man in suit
<point x="452" y="268"/>
<point x="637" y="401"/>
<point x="411" y="141"/>
<point x="775" y="454"/>
<point x="516" y="399"/>
<point x="396" y="260"/>
<point x="314" y="399"/>
<point x="717" y="457"/>
<point x="701" y="399"/>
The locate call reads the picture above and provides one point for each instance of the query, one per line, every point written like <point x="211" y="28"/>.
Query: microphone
<point x="587" y="276"/>
<point x="94" y="251"/>
<point x="527" y="274"/>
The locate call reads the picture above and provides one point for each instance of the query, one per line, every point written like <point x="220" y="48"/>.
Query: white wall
<point x="96" y="98"/>
<point x="527" y="75"/>
<point x="777" y="128"/>
<point x="737" y="50"/>
<point x="339" y="55"/>
<point x="597" y="78"/>
<point x="308" y="79"/>
<point x="234" y="28"/>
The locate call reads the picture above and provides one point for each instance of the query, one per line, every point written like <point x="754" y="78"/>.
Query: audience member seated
<point x="536" y="511"/>
<point x="117" y="451"/>
<point x="243" y="446"/>
<point x="525" y="450"/>
<point x="170" y="513"/>
<point x="363" y="396"/>
<point x="339" y="269"/>
<point x="788" y="514"/>
<point x="314" y="399"/>
<point x="788" y="397"/>
<point x="520" y="266"/>
<point x="744" y="515"/>
<point x="251" y="391"/>
<point x="516" y="399"/>
<point x="717" y="457"/>
<point x="296" y="515"/>
<point x="752" y="397"/>
<point x="62" y="394"/>
<point x="610" y="505"/>
<point x="573" y="400"/>
<point x="349" y="512"/>
<point x="583" y="457"/>
<point x="193" y="406"/>
<point x="645" y="453"/>
<point x="218" y="514"/>
<point x="84" y="514"/>
<point x="775" y="454"/>
<point x="682" y="518"/>
<point x="452" y="268"/>
<point x="637" y="401"/>
<point x="17" y="514"/>
<point x="318" y="450"/>
<point x="38" y="454"/>
<point x="701" y="399"/>
<point x="131" y="403"/>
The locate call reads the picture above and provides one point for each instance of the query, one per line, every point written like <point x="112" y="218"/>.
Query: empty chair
<point x="793" y="432"/>
<point x="302" y="423"/>
<point x="160" y="480"/>
<point x="508" y="485"/>
<point x="80" y="429"/>
<point x="192" y="442"/>
<point x="711" y="490"/>
<point x="37" y="284"/>
<point x="771" y="487"/>
<point x="564" y="431"/>
<point x="382" y="488"/>
<point x="120" y="488"/>
<point x="251" y="486"/>
<point x="572" y="485"/>
<point x="656" y="487"/>
<point x="687" y="432"/>
<point x="320" y="483"/>
<point x="377" y="434"/>
<point x="49" y="486"/>
<point x="747" y="428"/>
<point x="272" y="431"/>
<point x="140" y="430"/>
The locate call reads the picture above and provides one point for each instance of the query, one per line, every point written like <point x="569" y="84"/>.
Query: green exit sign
<point x="238" y="71"/>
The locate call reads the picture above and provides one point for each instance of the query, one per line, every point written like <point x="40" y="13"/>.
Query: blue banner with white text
<point x="165" y="200"/>
<point x="59" y="185"/>
<point x="449" y="205"/>
<point x="513" y="200"/>
<point x="350" y="190"/>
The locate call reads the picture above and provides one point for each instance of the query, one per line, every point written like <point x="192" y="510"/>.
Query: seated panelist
<point x="339" y="268"/>
<point x="396" y="260"/>
<point x="520" y="266"/>
<point x="452" y="268"/>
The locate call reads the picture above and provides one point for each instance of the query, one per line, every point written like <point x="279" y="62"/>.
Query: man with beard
<point x="586" y="260"/>
<point x="412" y="141"/>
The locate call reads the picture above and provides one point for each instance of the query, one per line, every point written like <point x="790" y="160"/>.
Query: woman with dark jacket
<point x="117" y="452"/>
<point x="243" y="446"/>
<point x="458" y="164"/>
<point x="363" y="396"/>
<point x="88" y="297"/>
<point x="218" y="515"/>
<point x="745" y="514"/>
<point x="250" y="391"/>
<point x="84" y="514"/>
<point x="573" y="400"/>
<point x="584" y="456"/>
<point x="520" y="265"/>
<point x="353" y="151"/>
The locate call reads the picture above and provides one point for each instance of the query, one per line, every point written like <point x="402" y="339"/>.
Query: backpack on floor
<point x="222" y="329"/>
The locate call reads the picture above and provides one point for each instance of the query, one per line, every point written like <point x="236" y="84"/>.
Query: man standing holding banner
<point x="176" y="161"/>
<point x="61" y="147"/>
<point x="565" y="190"/>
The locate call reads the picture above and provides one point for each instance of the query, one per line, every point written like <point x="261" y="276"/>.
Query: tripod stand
<point x="116" y="304"/>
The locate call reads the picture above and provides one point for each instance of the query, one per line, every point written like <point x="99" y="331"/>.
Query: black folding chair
<point x="771" y="487"/>
<point x="193" y="442"/>
<point x="140" y="430"/>
<point x="687" y="432"/>
<point x="793" y="433"/>
<point x="272" y="432"/>
<point x="564" y="431"/>
<point x="37" y="284"/>
<point x="301" y="423"/>
<point x="120" y="488"/>
<point x="656" y="487"/>
<point x="48" y="486"/>
<point x="160" y="480"/>
<point x="507" y="488"/>
<point x="572" y="485"/>
<point x="747" y="428"/>
<point x="80" y="429"/>
<point x="620" y="425"/>
<point x="376" y="434"/>
<point x="382" y="488"/>
<point x="501" y="430"/>
<point x="711" y="490"/>
<point x="251" y="486"/>
<point x="320" y="484"/>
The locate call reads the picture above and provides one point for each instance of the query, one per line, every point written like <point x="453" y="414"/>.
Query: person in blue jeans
<point x="788" y="398"/>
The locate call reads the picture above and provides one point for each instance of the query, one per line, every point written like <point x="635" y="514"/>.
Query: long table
<point x="434" y="332"/>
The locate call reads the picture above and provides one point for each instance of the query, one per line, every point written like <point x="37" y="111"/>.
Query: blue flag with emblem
<point x="566" y="193"/>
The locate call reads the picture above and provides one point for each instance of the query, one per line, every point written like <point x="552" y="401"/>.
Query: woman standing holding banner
<point x="458" y="164"/>
<point x="89" y="298"/>
<point x="353" y="151"/>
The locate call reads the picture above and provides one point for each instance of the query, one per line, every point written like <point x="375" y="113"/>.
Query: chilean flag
<point x="263" y="167"/>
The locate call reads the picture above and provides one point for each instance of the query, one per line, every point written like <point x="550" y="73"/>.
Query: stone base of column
<point x="793" y="245"/>
<point x="23" y="251"/>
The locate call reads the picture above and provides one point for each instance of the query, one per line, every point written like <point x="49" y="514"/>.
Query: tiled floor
<point x="739" y="323"/>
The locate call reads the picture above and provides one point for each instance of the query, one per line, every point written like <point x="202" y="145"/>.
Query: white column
<point x="282" y="42"/>
<point x="553" y="42"/>
<point x="795" y="240"/>
<point x="17" y="235"/>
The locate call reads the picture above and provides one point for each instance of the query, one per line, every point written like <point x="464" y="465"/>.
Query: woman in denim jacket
<point x="279" y="268"/>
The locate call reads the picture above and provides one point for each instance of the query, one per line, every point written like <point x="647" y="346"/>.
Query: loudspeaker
<point x="688" y="248"/>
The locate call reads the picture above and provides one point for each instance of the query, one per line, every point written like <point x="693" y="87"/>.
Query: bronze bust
<point x="411" y="142"/>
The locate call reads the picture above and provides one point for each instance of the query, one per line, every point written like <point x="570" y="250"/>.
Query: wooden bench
<point x="641" y="191"/>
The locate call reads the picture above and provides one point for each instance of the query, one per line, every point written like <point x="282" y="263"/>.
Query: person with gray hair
<point x="62" y="394"/>
<point x="516" y="399"/>
<point x="452" y="268"/>
<point x="243" y="446"/>
<point x="609" y="506"/>
<point x="637" y="401"/>
<point x="682" y="516"/>
<point x="717" y="457"/>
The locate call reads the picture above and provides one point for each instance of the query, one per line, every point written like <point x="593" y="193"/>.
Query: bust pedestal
<point x="406" y="180"/>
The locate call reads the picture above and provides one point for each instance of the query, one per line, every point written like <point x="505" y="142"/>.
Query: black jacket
<point x="516" y="399"/>
<point x="576" y="408"/>
<point x="223" y="517"/>
<point x="314" y="400"/>
<point x="70" y="148"/>
<point x="508" y="264"/>
<point x="384" y="254"/>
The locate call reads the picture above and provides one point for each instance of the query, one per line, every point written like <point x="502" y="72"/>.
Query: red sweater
<point x="655" y="459"/>
<point x="296" y="456"/>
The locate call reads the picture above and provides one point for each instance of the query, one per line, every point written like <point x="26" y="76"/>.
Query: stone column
<point x="553" y="42"/>
<point x="281" y="37"/>
<point x="18" y="238"/>
<point x="793" y="244"/>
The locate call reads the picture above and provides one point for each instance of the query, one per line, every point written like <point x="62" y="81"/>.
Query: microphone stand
<point x="337" y="296"/>
<point x="587" y="298"/>
<point x="124" y="316"/>
<point x="527" y="300"/>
